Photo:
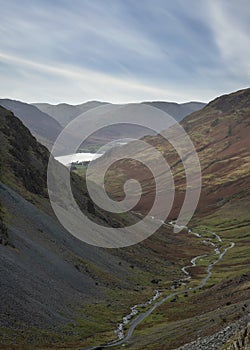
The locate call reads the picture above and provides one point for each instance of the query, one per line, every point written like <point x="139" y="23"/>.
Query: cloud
<point x="88" y="82"/>
<point x="122" y="50"/>
<point x="230" y="24"/>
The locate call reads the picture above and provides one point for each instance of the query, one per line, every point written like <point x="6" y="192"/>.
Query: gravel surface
<point x="41" y="282"/>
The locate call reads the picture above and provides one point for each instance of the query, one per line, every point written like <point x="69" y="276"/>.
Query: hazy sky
<point x="123" y="50"/>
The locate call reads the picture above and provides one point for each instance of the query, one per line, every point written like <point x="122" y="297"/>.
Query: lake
<point x="77" y="157"/>
<point x="88" y="157"/>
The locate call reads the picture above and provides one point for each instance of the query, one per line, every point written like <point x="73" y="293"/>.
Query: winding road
<point x="134" y="322"/>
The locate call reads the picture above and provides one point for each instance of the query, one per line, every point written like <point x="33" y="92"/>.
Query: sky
<point x="123" y="50"/>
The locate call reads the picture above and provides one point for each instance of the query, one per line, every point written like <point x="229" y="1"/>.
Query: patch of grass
<point x="224" y="299"/>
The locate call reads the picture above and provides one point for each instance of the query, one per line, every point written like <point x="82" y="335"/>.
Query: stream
<point x="135" y="321"/>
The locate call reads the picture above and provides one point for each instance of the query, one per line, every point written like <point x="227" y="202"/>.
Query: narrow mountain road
<point x="122" y="339"/>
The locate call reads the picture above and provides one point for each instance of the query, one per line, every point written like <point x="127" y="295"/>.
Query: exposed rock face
<point x="241" y="341"/>
<point x="234" y="337"/>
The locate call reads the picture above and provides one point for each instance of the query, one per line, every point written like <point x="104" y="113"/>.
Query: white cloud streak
<point x="176" y="51"/>
<point x="93" y="83"/>
<point x="232" y="34"/>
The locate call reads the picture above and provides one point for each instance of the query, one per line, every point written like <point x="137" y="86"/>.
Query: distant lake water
<point x="88" y="157"/>
<point x="77" y="157"/>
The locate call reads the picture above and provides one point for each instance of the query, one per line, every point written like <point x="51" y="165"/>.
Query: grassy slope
<point x="121" y="278"/>
<point x="41" y="125"/>
<point x="175" y="323"/>
<point x="225" y="298"/>
<point x="220" y="133"/>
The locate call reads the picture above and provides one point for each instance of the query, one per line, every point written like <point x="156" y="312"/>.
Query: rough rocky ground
<point x="40" y="281"/>
<point x="236" y="336"/>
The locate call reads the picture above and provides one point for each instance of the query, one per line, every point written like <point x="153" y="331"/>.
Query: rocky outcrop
<point x="236" y="336"/>
<point x="241" y="341"/>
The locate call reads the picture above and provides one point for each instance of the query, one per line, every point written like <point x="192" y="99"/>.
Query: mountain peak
<point x="230" y="102"/>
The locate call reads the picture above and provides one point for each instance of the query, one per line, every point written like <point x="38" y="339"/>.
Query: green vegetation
<point x="224" y="299"/>
<point x="155" y="263"/>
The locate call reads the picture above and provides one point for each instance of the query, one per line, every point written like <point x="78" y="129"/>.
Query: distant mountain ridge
<point x="177" y="110"/>
<point x="64" y="112"/>
<point x="41" y="125"/>
<point x="50" y="279"/>
<point x="220" y="133"/>
<point x="46" y="121"/>
<point x="57" y="292"/>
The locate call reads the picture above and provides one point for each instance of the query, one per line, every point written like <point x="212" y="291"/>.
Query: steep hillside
<point x="23" y="159"/>
<point x="64" y="112"/>
<point x="220" y="133"/>
<point x="223" y="147"/>
<point x="54" y="288"/>
<point x="177" y="110"/>
<point x="84" y="107"/>
<point x="60" y="292"/>
<point x="41" y="125"/>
